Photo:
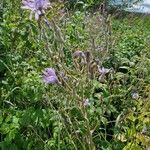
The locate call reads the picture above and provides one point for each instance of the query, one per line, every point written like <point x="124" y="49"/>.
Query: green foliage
<point x="86" y="109"/>
<point x="82" y="4"/>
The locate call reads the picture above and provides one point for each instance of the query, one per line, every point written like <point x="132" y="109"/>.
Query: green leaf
<point x="132" y="146"/>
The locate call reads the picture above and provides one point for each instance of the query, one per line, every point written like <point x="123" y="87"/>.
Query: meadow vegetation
<point x="73" y="79"/>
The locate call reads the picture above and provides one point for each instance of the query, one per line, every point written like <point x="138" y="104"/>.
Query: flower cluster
<point x="49" y="76"/>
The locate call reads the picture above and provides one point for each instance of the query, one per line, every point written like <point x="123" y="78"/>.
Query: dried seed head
<point x="78" y="54"/>
<point x="88" y="56"/>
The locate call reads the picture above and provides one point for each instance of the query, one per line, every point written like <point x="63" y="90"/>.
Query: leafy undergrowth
<point x="94" y="92"/>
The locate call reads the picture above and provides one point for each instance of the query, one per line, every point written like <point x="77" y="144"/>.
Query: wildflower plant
<point x="66" y="91"/>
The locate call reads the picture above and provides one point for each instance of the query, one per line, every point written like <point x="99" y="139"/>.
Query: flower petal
<point x="50" y="79"/>
<point x="36" y="16"/>
<point x="50" y="71"/>
<point x="36" y="6"/>
<point x="31" y="14"/>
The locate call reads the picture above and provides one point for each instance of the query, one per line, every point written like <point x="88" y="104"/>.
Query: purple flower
<point x="144" y="130"/>
<point x="79" y="54"/>
<point x="103" y="71"/>
<point x="135" y="96"/>
<point x="49" y="76"/>
<point x="35" y="6"/>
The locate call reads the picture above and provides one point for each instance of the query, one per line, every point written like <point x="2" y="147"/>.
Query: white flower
<point x="135" y="96"/>
<point x="86" y="102"/>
